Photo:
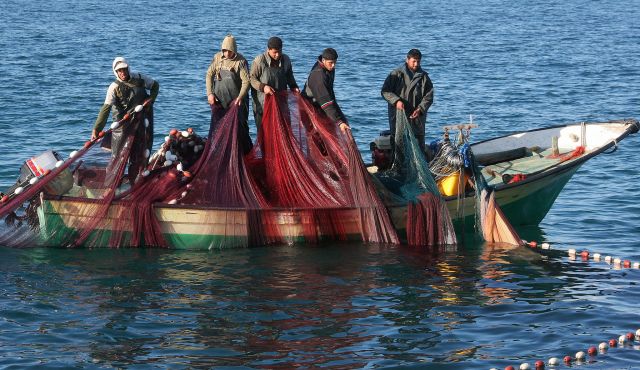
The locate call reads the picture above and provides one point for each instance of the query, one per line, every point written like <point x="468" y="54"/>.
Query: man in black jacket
<point x="408" y="88"/>
<point x="319" y="87"/>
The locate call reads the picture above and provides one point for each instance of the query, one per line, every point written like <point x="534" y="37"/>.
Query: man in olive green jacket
<point x="271" y="72"/>
<point x="409" y="88"/>
<point x="228" y="83"/>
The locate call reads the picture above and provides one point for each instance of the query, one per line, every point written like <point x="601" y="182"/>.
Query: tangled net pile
<point x="303" y="181"/>
<point x="302" y="167"/>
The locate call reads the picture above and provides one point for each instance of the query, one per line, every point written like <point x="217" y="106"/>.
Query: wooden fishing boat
<point x="541" y="161"/>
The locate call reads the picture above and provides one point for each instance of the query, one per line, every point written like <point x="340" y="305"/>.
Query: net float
<point x="630" y="337"/>
<point x="626" y="263"/>
<point x="525" y="366"/>
<point x="59" y="163"/>
<point x="596" y="256"/>
<point x="101" y="134"/>
<point x="584" y="254"/>
<point x="545" y="246"/>
<point x="173" y="132"/>
<point x="73" y="154"/>
<point x="567" y="359"/>
<point x="539" y="364"/>
<point x="580" y="356"/>
<point x="613" y="343"/>
<point x="592" y="351"/>
<point x="33" y="180"/>
<point x="554" y="361"/>
<point x="146" y="122"/>
<point x="602" y="346"/>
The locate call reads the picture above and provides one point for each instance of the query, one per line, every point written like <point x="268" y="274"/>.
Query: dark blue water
<point x="514" y="65"/>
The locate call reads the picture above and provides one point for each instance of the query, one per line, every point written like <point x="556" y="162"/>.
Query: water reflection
<point x="342" y="306"/>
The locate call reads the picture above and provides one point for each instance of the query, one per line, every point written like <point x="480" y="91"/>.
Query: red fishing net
<point x="303" y="181"/>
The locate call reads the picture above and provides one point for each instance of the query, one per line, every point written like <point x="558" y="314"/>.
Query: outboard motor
<point x="38" y="166"/>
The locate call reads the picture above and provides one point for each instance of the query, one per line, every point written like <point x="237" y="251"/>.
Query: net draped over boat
<point x="303" y="181"/>
<point x="428" y="220"/>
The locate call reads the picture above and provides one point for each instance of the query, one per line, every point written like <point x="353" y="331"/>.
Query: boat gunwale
<point x="633" y="126"/>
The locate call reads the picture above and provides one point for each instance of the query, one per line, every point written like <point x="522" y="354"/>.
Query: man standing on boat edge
<point x="271" y="72"/>
<point x="319" y="87"/>
<point x="410" y="89"/>
<point x="123" y="95"/>
<point x="228" y="83"/>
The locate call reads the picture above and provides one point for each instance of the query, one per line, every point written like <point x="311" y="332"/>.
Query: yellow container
<point x="451" y="185"/>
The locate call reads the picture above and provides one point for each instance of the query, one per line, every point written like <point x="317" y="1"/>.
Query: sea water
<point x="513" y="65"/>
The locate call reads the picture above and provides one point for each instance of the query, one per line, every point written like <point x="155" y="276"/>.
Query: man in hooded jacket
<point x="319" y="87"/>
<point x="123" y="95"/>
<point x="228" y="83"/>
<point x="409" y="88"/>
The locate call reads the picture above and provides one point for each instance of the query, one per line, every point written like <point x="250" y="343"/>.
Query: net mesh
<point x="303" y="181"/>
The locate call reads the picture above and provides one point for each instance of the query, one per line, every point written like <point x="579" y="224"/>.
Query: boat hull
<point x="524" y="202"/>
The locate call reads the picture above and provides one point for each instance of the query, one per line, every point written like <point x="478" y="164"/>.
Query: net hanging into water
<point x="303" y="181"/>
<point x="428" y="221"/>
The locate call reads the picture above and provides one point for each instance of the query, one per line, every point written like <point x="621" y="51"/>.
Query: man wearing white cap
<point x="123" y="95"/>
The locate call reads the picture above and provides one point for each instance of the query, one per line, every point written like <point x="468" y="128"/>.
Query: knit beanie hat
<point x="274" y="43"/>
<point x="229" y="43"/>
<point x="329" y="54"/>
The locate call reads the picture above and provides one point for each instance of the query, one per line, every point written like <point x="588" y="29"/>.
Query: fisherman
<point x="123" y="95"/>
<point x="319" y="87"/>
<point x="409" y="88"/>
<point x="228" y="83"/>
<point x="271" y="72"/>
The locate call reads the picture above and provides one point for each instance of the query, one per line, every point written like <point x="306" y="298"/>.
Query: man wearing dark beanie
<point x="319" y="87"/>
<point x="271" y="71"/>
<point x="409" y="88"/>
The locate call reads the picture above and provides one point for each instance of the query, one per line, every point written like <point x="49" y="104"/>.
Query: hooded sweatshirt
<point x="236" y="66"/>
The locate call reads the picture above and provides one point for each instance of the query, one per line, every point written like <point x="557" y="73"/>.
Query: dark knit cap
<point x="274" y="43"/>
<point x="329" y="54"/>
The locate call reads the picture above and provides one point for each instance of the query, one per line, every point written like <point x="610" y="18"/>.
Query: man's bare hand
<point x="399" y="105"/>
<point x="268" y="90"/>
<point x="415" y="113"/>
<point x="211" y="99"/>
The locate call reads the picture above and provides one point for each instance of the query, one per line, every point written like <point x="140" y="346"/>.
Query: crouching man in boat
<point x="319" y="87"/>
<point x="123" y="95"/>
<point x="409" y="88"/>
<point x="228" y="83"/>
<point x="271" y="72"/>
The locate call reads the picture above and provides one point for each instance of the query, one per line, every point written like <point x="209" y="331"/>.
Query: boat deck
<point x="534" y="162"/>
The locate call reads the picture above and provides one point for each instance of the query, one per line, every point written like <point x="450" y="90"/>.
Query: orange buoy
<point x="101" y="134"/>
<point x="173" y="132"/>
<point x="592" y="351"/>
<point x="584" y="254"/>
<point x="627" y="263"/>
<point x="613" y="342"/>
